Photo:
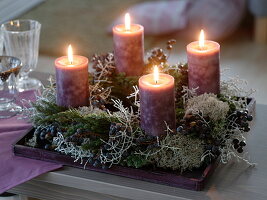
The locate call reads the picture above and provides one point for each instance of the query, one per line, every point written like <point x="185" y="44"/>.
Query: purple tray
<point x="192" y="180"/>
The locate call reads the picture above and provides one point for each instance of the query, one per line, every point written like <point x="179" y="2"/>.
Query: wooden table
<point x="233" y="181"/>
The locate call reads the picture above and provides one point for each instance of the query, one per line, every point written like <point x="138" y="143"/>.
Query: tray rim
<point x="184" y="182"/>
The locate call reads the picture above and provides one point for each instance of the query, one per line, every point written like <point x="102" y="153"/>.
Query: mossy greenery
<point x="107" y="132"/>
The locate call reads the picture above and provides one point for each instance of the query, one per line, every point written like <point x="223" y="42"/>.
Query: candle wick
<point x="202" y="48"/>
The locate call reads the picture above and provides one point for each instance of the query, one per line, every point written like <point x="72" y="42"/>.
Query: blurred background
<point x="240" y="26"/>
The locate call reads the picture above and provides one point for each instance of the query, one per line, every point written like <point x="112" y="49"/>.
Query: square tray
<point x="192" y="180"/>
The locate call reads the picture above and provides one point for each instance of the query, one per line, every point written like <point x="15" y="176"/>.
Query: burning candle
<point x="157" y="106"/>
<point x="128" y="42"/>
<point x="72" y="80"/>
<point x="204" y="65"/>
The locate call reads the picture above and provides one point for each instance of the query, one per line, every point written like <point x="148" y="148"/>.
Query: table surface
<point x="232" y="181"/>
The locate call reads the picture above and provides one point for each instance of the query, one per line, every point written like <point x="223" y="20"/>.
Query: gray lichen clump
<point x="208" y="105"/>
<point x="181" y="153"/>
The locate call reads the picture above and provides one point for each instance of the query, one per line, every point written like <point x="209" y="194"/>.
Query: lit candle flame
<point x="201" y="39"/>
<point x="70" y="55"/>
<point x="11" y="23"/>
<point x="156" y="74"/>
<point x="127" y="22"/>
<point x="18" y="24"/>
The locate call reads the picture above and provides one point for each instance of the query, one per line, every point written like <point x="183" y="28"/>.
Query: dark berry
<point x="169" y="47"/>
<point x="141" y="139"/>
<point x="37" y="133"/>
<point x="39" y="128"/>
<point x="79" y="141"/>
<point x="150" y="147"/>
<point x="109" y="156"/>
<point x="172" y="41"/>
<point x="154" y="52"/>
<point x="243" y="113"/>
<point x="236" y="146"/>
<point x="214" y="149"/>
<point x="125" y="154"/>
<point x="250" y="118"/>
<point x="162" y="60"/>
<point x="159" y="52"/>
<point x="150" y="137"/>
<point x="48" y="136"/>
<point x="105" y="167"/>
<point x="240" y="150"/>
<point x="244" y="124"/>
<point x="247" y="129"/>
<point x="208" y="147"/>
<point x="42" y="138"/>
<point x="164" y="57"/>
<point x="97" y="163"/>
<point x="235" y="141"/>
<point x="47" y="146"/>
<point x="199" y="122"/>
<point x="238" y="113"/>
<point x="244" y="119"/>
<point x="179" y="129"/>
<point x="54" y="131"/>
<point x="242" y="144"/>
<point x="150" y="59"/>
<point x="106" y="146"/>
<point x="43" y="133"/>
<point x="91" y="160"/>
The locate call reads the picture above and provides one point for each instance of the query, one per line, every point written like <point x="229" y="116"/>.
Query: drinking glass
<point x="9" y="69"/>
<point x="21" y="40"/>
<point x="1" y="43"/>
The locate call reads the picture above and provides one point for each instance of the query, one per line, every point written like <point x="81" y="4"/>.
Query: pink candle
<point x="128" y="42"/>
<point x="157" y="104"/>
<point x="72" y="80"/>
<point x="204" y="66"/>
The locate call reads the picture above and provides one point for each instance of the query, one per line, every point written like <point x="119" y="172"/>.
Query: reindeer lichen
<point x="180" y="153"/>
<point x="208" y="105"/>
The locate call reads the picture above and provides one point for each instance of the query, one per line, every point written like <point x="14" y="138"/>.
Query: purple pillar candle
<point x="157" y="106"/>
<point x="72" y="81"/>
<point x="203" y="58"/>
<point x="128" y="42"/>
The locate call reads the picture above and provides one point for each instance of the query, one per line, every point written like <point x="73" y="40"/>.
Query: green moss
<point x="71" y="120"/>
<point x="136" y="161"/>
<point x="92" y="145"/>
<point x="179" y="113"/>
<point x="180" y="152"/>
<point x="232" y="106"/>
<point x="218" y="128"/>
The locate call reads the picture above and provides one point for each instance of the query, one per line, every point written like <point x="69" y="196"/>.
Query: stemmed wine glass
<point x="1" y="43"/>
<point x="9" y="69"/>
<point x="21" y="40"/>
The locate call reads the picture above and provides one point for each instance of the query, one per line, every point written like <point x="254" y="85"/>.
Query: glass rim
<point x="22" y="20"/>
